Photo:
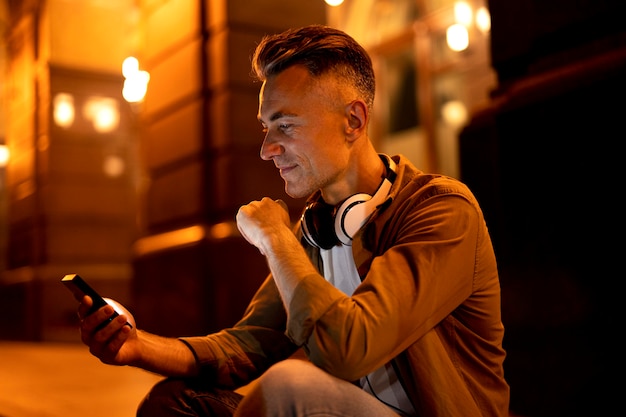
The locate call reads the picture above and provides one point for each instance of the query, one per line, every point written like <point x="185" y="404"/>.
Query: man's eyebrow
<point x="277" y="115"/>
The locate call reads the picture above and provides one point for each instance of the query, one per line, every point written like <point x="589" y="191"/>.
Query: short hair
<point x="321" y="49"/>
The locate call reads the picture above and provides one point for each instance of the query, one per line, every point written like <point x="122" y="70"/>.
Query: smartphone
<point x="80" y="288"/>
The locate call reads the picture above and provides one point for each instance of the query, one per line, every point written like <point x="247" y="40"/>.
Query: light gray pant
<point x="297" y="388"/>
<point x="291" y="388"/>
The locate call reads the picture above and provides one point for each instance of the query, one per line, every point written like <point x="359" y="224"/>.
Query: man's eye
<point x="282" y="127"/>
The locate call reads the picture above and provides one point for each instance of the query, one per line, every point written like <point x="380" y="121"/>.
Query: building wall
<point x="200" y="148"/>
<point x="65" y="213"/>
<point x="162" y="228"/>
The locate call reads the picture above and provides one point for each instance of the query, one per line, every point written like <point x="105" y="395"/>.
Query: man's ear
<point x="357" y="115"/>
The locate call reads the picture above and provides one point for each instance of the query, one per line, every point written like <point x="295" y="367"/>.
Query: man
<point x="388" y="284"/>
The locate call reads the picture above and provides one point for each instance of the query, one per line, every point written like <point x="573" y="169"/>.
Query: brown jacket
<point x="429" y="302"/>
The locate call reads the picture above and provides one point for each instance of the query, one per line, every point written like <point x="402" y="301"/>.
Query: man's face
<point x="304" y="122"/>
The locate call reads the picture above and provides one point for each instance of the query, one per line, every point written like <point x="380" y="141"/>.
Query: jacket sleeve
<point x="237" y="355"/>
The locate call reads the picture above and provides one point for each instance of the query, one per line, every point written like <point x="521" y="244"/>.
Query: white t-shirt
<point x="339" y="270"/>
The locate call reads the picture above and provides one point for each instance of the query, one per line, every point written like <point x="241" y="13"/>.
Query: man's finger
<point x="282" y="204"/>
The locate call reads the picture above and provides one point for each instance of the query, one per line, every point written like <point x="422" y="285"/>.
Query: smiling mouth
<point x="285" y="169"/>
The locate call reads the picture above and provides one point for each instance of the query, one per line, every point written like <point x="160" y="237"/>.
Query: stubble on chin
<point x="297" y="190"/>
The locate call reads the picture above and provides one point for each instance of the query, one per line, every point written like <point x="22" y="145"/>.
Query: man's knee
<point x="297" y="387"/>
<point x="187" y="397"/>
<point x="290" y="377"/>
<point x="165" y="395"/>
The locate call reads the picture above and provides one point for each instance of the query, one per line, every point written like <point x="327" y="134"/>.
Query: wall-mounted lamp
<point x="136" y="82"/>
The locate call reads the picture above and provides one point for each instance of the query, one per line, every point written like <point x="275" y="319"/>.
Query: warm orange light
<point x="463" y="13"/>
<point x="103" y="112"/>
<point x="454" y="113"/>
<point x="4" y="155"/>
<point x="130" y="66"/>
<point x="224" y="230"/>
<point x="483" y="20"/>
<point x="63" y="110"/>
<point x="457" y="37"/>
<point x="114" y="166"/>
<point x="169" y="240"/>
<point x="136" y="82"/>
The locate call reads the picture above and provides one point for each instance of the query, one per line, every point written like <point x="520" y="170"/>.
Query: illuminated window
<point x="63" y="110"/>
<point x="113" y="166"/>
<point x="103" y="112"/>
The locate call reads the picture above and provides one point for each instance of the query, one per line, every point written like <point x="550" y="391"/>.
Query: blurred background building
<point x="129" y="171"/>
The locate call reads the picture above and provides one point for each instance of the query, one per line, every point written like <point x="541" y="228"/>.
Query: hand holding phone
<point x="79" y="287"/>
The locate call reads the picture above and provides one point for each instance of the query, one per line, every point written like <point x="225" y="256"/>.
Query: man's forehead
<point x="295" y="92"/>
<point x="284" y="93"/>
<point x="271" y="110"/>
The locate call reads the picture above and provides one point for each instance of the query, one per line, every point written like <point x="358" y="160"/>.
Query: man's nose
<point x="270" y="148"/>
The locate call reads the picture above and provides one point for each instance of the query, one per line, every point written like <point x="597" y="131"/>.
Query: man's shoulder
<point x="412" y="180"/>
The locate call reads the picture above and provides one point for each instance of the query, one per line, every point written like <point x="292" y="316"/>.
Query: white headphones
<point x="325" y="226"/>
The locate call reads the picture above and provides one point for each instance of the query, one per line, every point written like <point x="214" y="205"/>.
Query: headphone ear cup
<point x="317" y="225"/>
<point x="324" y="227"/>
<point x="351" y="215"/>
